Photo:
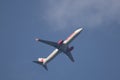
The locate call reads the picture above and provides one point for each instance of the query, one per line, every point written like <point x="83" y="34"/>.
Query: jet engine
<point x="71" y="48"/>
<point x="60" y="42"/>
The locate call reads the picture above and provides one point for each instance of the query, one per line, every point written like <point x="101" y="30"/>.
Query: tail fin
<point x="41" y="63"/>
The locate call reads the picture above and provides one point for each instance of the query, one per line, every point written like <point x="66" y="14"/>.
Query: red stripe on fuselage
<point x="70" y="36"/>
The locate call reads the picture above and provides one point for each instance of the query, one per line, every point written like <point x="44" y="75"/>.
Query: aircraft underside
<point x="61" y="46"/>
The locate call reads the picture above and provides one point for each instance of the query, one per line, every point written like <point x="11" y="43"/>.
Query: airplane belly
<point x="51" y="56"/>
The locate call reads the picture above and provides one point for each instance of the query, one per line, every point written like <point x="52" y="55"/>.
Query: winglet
<point x="37" y="39"/>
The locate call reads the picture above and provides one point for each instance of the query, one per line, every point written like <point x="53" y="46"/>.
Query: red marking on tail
<point x="41" y="59"/>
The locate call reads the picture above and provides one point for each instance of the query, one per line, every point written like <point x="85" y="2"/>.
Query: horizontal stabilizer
<point x="41" y="63"/>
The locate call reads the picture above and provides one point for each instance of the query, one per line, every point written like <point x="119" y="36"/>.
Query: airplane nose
<point x="78" y="30"/>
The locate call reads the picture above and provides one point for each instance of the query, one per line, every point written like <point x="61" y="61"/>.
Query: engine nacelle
<point x="60" y="42"/>
<point x="71" y="48"/>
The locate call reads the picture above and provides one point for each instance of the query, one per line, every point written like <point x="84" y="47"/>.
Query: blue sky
<point x="97" y="48"/>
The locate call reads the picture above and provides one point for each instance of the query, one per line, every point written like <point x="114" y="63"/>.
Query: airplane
<point x="60" y="46"/>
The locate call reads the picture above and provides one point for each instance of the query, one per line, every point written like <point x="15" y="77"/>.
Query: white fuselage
<point x="51" y="56"/>
<point x="65" y="45"/>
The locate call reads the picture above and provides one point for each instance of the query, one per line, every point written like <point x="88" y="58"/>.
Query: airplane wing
<point x="70" y="56"/>
<point x="54" y="44"/>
